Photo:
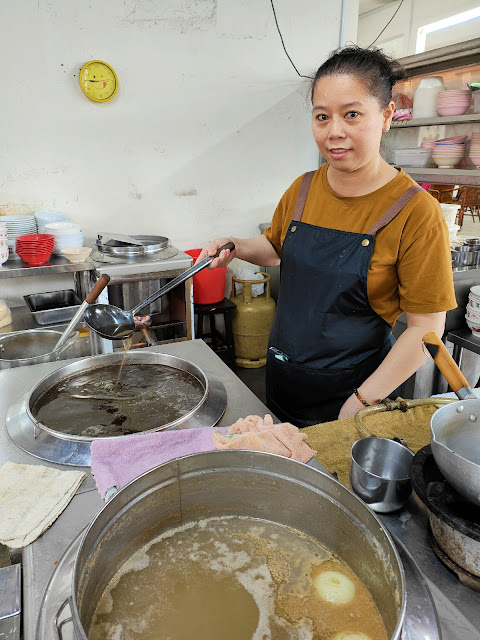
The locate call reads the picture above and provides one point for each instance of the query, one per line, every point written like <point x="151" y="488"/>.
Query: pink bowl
<point x="453" y="139"/>
<point x="452" y="111"/>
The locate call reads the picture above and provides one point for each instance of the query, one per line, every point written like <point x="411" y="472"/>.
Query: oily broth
<point x="230" y="577"/>
<point x="92" y="404"/>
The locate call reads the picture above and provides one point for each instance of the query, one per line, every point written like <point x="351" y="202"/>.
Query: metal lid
<point x="150" y="245"/>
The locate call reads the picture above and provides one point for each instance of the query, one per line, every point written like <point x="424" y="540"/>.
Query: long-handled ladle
<point x="113" y="323"/>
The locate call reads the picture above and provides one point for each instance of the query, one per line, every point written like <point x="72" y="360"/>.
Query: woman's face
<point x="348" y="122"/>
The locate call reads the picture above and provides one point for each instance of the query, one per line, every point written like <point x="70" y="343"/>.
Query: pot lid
<point x="115" y="247"/>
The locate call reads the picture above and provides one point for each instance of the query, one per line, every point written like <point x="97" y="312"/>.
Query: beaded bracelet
<point x="361" y="398"/>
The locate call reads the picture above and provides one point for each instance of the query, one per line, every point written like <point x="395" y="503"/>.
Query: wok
<point x="455" y="428"/>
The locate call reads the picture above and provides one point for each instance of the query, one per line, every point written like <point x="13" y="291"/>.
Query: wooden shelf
<point x="469" y="177"/>
<point x="470" y="118"/>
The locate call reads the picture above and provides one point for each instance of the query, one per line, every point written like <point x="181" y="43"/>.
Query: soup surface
<point x="236" y="578"/>
<point x="92" y="404"/>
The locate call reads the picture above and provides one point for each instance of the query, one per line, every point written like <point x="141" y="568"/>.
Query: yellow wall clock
<point x="98" y="81"/>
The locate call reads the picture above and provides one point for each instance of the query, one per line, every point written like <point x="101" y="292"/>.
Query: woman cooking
<point x="358" y="243"/>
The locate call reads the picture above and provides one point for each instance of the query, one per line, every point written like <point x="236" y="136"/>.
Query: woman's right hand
<point x="211" y="248"/>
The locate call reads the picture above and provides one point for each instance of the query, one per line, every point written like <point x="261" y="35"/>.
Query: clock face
<point x="98" y="81"/>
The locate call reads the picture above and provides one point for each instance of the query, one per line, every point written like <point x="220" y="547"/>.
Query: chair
<point x="469" y="199"/>
<point x="443" y="192"/>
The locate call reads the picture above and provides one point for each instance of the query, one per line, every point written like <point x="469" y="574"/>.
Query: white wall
<point x="209" y="126"/>
<point x="400" y="37"/>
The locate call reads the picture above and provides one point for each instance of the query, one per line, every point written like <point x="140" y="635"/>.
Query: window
<point x="447" y="23"/>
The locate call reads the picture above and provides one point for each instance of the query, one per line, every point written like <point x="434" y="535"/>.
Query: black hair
<point x="378" y="71"/>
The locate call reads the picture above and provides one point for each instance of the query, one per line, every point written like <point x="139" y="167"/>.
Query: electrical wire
<point x="397" y="10"/>
<point x="283" y="44"/>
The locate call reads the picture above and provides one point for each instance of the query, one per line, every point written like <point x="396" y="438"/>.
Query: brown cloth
<point x="333" y="440"/>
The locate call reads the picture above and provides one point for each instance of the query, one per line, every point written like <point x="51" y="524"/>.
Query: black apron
<point x="326" y="338"/>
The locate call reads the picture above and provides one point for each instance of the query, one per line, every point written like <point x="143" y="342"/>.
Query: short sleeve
<point x="425" y="273"/>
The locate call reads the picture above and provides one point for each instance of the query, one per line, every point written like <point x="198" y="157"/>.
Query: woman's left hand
<point x="351" y="406"/>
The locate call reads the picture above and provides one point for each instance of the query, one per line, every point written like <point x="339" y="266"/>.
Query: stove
<point x="454" y="521"/>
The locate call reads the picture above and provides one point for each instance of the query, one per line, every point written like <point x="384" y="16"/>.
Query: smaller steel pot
<point x="380" y="473"/>
<point x="33" y="346"/>
<point x="466" y="256"/>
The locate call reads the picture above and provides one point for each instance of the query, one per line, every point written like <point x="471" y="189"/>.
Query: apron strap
<point x="302" y="196"/>
<point x="395" y="209"/>
<point x="387" y="217"/>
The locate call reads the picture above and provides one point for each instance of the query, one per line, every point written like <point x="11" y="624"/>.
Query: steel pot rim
<point x="257" y="466"/>
<point x="40" y="358"/>
<point x="108" y="358"/>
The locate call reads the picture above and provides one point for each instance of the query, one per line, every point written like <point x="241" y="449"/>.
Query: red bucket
<point x="209" y="284"/>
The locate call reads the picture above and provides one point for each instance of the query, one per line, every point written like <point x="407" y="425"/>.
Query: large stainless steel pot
<point x="238" y="483"/>
<point x="33" y="346"/>
<point x="42" y="441"/>
<point x="455" y="428"/>
<point x="202" y="414"/>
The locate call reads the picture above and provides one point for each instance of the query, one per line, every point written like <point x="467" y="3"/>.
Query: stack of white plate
<point x="20" y="225"/>
<point x="472" y="315"/>
<point x="66" y="234"/>
<point x="46" y="216"/>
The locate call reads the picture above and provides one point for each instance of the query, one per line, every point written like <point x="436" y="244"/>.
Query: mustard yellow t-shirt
<point x="411" y="266"/>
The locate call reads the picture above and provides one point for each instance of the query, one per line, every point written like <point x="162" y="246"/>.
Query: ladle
<point x="113" y="323"/>
<point x="92" y="296"/>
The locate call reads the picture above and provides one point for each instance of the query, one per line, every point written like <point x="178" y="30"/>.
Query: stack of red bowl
<point x="36" y="248"/>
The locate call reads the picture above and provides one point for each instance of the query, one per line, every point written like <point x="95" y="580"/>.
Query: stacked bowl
<point x="450" y="212"/>
<point x="34" y="249"/>
<point x="448" y="152"/>
<point x="66" y="234"/>
<point x="3" y="242"/>
<point x="472" y="315"/>
<point x="45" y="216"/>
<point x="19" y="226"/>
<point x="474" y="153"/>
<point x="454" y="103"/>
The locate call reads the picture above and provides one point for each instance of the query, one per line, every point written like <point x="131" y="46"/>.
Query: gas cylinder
<point x="252" y="321"/>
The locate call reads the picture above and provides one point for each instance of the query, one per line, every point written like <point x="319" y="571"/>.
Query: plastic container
<point x="425" y="97"/>
<point x="417" y="157"/>
<point x="209" y="284"/>
<point x="450" y="212"/>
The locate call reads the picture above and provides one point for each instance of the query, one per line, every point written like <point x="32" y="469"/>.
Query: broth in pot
<point x="238" y="578"/>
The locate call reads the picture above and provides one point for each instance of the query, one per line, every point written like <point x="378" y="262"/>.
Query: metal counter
<point x="40" y="558"/>
<point x="458" y="607"/>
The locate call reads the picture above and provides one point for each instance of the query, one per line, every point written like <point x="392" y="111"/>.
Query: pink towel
<point x="117" y="461"/>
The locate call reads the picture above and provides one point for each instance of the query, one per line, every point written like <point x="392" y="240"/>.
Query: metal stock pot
<point x="33" y="346"/>
<point x="240" y="483"/>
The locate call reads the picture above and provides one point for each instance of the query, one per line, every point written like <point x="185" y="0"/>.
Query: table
<point x="40" y="557"/>
<point x="458" y="607"/>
